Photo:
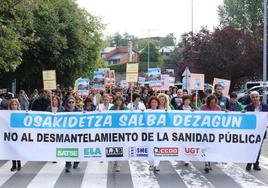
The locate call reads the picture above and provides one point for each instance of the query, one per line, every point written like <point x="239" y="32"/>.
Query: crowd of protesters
<point x="141" y="98"/>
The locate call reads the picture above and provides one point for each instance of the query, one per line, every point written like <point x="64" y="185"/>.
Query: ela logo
<point x="92" y="152"/>
<point x="114" y="152"/>
<point x="138" y="152"/>
<point x="67" y="152"/>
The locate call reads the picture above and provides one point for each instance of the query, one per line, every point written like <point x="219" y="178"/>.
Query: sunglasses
<point x="70" y="102"/>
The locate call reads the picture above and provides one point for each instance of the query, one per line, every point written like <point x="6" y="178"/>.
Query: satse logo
<point x="67" y="152"/>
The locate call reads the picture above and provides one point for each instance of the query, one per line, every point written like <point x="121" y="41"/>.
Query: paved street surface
<point x="134" y="174"/>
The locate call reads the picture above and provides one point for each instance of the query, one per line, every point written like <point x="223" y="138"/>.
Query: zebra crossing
<point x="134" y="174"/>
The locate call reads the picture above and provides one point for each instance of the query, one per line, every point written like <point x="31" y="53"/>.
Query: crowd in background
<point x="140" y="98"/>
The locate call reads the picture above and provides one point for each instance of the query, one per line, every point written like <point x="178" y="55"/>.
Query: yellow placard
<point x="49" y="84"/>
<point x="132" y="72"/>
<point x="132" y="68"/>
<point x="49" y="75"/>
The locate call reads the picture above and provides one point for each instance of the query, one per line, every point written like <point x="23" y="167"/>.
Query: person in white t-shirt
<point x="106" y="105"/>
<point x="136" y="104"/>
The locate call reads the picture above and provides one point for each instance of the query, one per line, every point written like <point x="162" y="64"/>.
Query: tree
<point x="122" y="40"/>
<point x="154" y="53"/>
<point x="175" y="61"/>
<point x="168" y="40"/>
<point x="225" y="53"/>
<point x="14" y="20"/>
<point x="143" y="43"/>
<point x="66" y="38"/>
<point x="246" y="14"/>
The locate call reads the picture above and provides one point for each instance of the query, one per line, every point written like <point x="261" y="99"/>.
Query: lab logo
<point x="114" y="152"/>
<point x="138" y="152"/>
<point x="166" y="151"/>
<point x="67" y="152"/>
<point x="92" y="152"/>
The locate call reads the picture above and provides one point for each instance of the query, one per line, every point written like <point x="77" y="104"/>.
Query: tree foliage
<point x="225" y="53"/>
<point x="246" y="14"/>
<point x="62" y="36"/>
<point x="154" y="54"/>
<point x="175" y="61"/>
<point x="119" y="40"/>
<point x="14" y="21"/>
<point x="168" y="40"/>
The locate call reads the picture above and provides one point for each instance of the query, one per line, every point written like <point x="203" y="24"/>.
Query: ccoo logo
<point x="166" y="151"/>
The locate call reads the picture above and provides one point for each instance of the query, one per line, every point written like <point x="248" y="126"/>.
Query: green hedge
<point x="143" y="66"/>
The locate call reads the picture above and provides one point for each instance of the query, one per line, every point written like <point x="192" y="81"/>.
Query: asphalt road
<point x="134" y="174"/>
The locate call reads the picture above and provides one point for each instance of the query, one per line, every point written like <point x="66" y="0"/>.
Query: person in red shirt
<point x="211" y="105"/>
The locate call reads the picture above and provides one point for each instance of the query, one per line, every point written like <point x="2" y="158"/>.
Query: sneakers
<point x="68" y="167"/>
<point x="117" y="166"/>
<point x="13" y="168"/>
<point x="19" y="166"/>
<point x="67" y="170"/>
<point x="156" y="169"/>
<point x="75" y="166"/>
<point x="16" y="165"/>
<point x="207" y="168"/>
<point x="248" y="167"/>
<point x="257" y="168"/>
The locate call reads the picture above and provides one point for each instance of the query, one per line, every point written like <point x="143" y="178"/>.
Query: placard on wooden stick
<point x="132" y="72"/>
<point x="49" y="79"/>
<point x="197" y="81"/>
<point x="224" y="83"/>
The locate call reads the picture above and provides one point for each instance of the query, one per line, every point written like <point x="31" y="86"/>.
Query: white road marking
<point x="47" y="176"/>
<point x="95" y="175"/>
<point x="142" y="176"/>
<point x="240" y="176"/>
<point x="191" y="176"/>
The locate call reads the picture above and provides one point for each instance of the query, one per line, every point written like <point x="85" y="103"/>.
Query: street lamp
<point x="264" y="50"/>
<point x="148" y="30"/>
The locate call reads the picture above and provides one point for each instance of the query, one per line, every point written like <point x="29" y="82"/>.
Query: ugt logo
<point x="192" y="151"/>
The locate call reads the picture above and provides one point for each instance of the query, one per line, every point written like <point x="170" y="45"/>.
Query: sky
<point x="160" y="16"/>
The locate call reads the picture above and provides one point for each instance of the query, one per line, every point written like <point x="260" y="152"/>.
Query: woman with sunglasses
<point x="70" y="107"/>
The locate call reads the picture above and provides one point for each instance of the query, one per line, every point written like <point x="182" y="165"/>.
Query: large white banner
<point x="125" y="135"/>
